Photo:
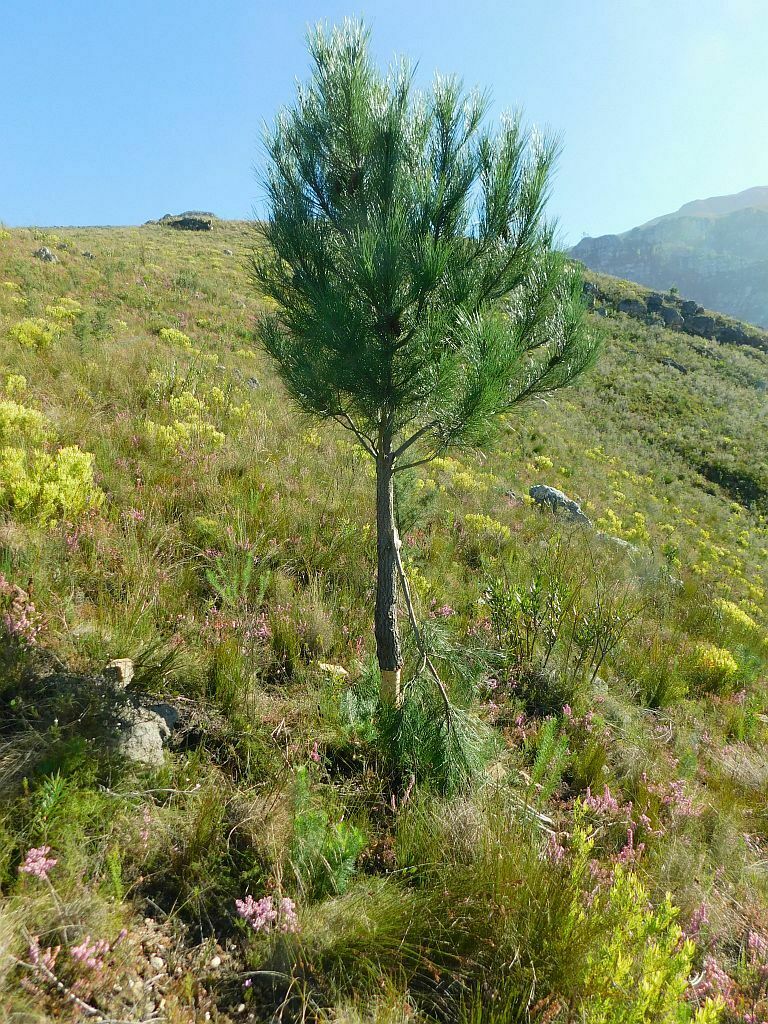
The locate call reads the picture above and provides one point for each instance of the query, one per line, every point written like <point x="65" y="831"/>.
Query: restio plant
<point x="419" y="292"/>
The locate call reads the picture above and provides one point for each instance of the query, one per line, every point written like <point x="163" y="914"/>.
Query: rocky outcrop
<point x="190" y="220"/>
<point x="676" y="314"/>
<point x="190" y="224"/>
<point x="671" y="317"/>
<point x="45" y="254"/>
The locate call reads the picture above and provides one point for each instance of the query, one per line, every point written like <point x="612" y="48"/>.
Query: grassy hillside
<point x="161" y="501"/>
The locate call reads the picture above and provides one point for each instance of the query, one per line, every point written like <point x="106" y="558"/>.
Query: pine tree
<point x="420" y="295"/>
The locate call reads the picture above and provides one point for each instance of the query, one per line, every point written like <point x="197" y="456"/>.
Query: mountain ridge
<point x="713" y="250"/>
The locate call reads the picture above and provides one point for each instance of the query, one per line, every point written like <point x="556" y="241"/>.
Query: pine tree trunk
<point x="386" y="628"/>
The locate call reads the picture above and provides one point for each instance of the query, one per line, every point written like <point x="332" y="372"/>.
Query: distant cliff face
<point x="715" y="251"/>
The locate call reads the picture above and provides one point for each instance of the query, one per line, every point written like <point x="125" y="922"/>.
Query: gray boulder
<point x="619" y="542"/>
<point x="87" y="254"/>
<point x="654" y="302"/>
<point x="632" y="307"/>
<point x="690" y="308"/>
<point x="141" y="732"/>
<point x="703" y="326"/>
<point x="670" y="316"/>
<point x="559" y="502"/>
<point x="675" y="365"/>
<point x="168" y="713"/>
<point x="189" y="223"/>
<point x="45" y="254"/>
<point x="227" y="252"/>
<point x="731" y="334"/>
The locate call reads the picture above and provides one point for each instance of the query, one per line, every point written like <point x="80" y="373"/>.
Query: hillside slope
<point x="292" y="853"/>
<point x="715" y="251"/>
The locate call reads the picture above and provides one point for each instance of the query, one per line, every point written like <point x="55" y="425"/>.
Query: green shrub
<point x="323" y="853"/>
<point x="173" y="336"/>
<point x="34" y="333"/>
<point x="638" y="972"/>
<point x="20" y="425"/>
<point x="46" y="487"/>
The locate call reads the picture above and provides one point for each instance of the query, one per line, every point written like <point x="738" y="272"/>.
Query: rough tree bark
<point x="388" y="648"/>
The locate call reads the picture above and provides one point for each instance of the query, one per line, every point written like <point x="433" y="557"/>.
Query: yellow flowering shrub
<point x="64" y="311"/>
<point x="633" y="531"/>
<point x="185" y="434"/>
<point x="15" y="384"/>
<point x="712" y="666"/>
<point x="175" y="337"/>
<point x="186" y="405"/>
<point x="735" y="616"/>
<point x="644" y="952"/>
<point x="46" y="488"/>
<point x="18" y="424"/>
<point x="490" y="527"/>
<point x="542" y="462"/>
<point x="33" y="333"/>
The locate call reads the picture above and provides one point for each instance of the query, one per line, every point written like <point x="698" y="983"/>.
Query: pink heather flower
<point x="757" y="945"/>
<point x="38" y="863"/>
<point x="699" y="920"/>
<point x="567" y="711"/>
<point x="261" y="630"/>
<point x="553" y="850"/>
<point x="43" y="957"/>
<point x="679" y="802"/>
<point x="144" y="832"/>
<point x="630" y="853"/>
<point x="91" y="953"/>
<point x="20" y="618"/>
<point x="289" y="922"/>
<point x="260" y="914"/>
<point x="715" y="982"/>
<point x="315" y="753"/>
<point x="605" y="804"/>
<point x="263" y="916"/>
<point x="443" y="612"/>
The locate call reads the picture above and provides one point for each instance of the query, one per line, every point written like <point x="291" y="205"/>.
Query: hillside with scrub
<point x="583" y="838"/>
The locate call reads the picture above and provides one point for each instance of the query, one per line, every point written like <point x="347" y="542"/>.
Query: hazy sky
<point x="117" y="111"/>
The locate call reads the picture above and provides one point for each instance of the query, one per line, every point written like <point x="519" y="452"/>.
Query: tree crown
<point x="419" y="292"/>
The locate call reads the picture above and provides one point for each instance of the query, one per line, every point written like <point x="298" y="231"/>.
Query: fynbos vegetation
<point x="207" y="810"/>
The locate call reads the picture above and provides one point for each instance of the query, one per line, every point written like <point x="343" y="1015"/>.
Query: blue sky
<point x="118" y="111"/>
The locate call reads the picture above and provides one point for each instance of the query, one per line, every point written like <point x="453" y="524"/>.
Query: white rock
<point x="119" y="672"/>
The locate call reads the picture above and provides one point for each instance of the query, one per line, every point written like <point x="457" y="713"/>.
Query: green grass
<point x="227" y="545"/>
